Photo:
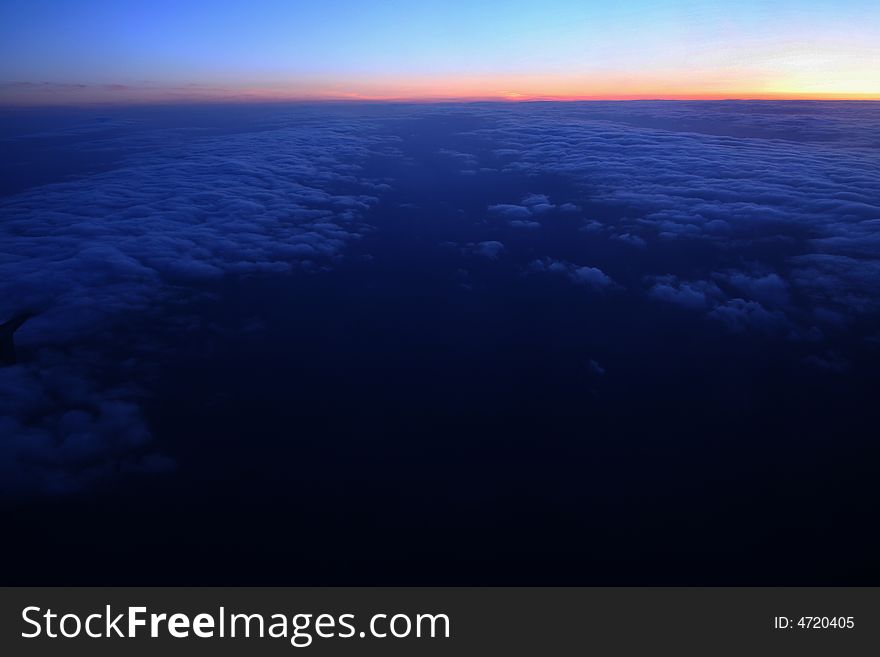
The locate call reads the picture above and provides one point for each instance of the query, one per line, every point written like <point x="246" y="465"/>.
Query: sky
<point x="105" y="51"/>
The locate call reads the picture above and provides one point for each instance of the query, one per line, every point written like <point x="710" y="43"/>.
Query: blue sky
<point x="448" y="48"/>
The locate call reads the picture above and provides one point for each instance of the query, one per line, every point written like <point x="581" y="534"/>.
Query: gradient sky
<point x="83" y="51"/>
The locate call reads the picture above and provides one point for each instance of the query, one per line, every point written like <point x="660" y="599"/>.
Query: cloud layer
<point x="785" y="196"/>
<point x="759" y="219"/>
<point x="93" y="252"/>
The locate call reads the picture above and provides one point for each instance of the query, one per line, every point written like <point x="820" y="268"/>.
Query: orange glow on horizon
<point x="705" y="85"/>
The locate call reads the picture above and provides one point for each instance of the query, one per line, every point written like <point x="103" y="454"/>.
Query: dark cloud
<point x="533" y="200"/>
<point x="761" y="218"/>
<point x="739" y="315"/>
<point x="468" y="161"/>
<point x="520" y="223"/>
<point x="538" y="203"/>
<point x="63" y="429"/>
<point x="525" y="213"/>
<point x="829" y="362"/>
<point x="629" y="238"/>
<point x="491" y="249"/>
<point x="769" y="289"/>
<point x="595" y="368"/>
<point x="746" y="303"/>
<point x="794" y="188"/>
<point x="694" y="295"/>
<point x="488" y="249"/>
<point x="592" y="277"/>
<point x="104" y="248"/>
<point x="511" y="210"/>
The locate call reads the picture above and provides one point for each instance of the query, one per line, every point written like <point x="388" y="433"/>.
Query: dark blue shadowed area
<point x="549" y="343"/>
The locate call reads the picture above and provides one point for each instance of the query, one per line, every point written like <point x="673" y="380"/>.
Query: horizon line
<point x="248" y="99"/>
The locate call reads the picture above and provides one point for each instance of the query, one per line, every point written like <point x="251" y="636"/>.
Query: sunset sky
<point x="86" y="51"/>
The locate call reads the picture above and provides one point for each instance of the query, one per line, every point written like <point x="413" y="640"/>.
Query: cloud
<point x="595" y="368"/>
<point x="511" y="211"/>
<point x="760" y="217"/>
<point x="62" y="429"/>
<point x="739" y="315"/>
<point x="841" y="283"/>
<point x="788" y="194"/>
<point x="829" y="362"/>
<point x="538" y="203"/>
<point x="469" y="161"/>
<point x="532" y="200"/>
<point x="489" y="249"/>
<point x="758" y="312"/>
<point x="523" y="215"/>
<point x="95" y="252"/>
<point x="116" y="241"/>
<point x="693" y="295"/>
<point x="633" y="240"/>
<point x="769" y="289"/>
<point x="592" y="277"/>
<point x="519" y="223"/>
